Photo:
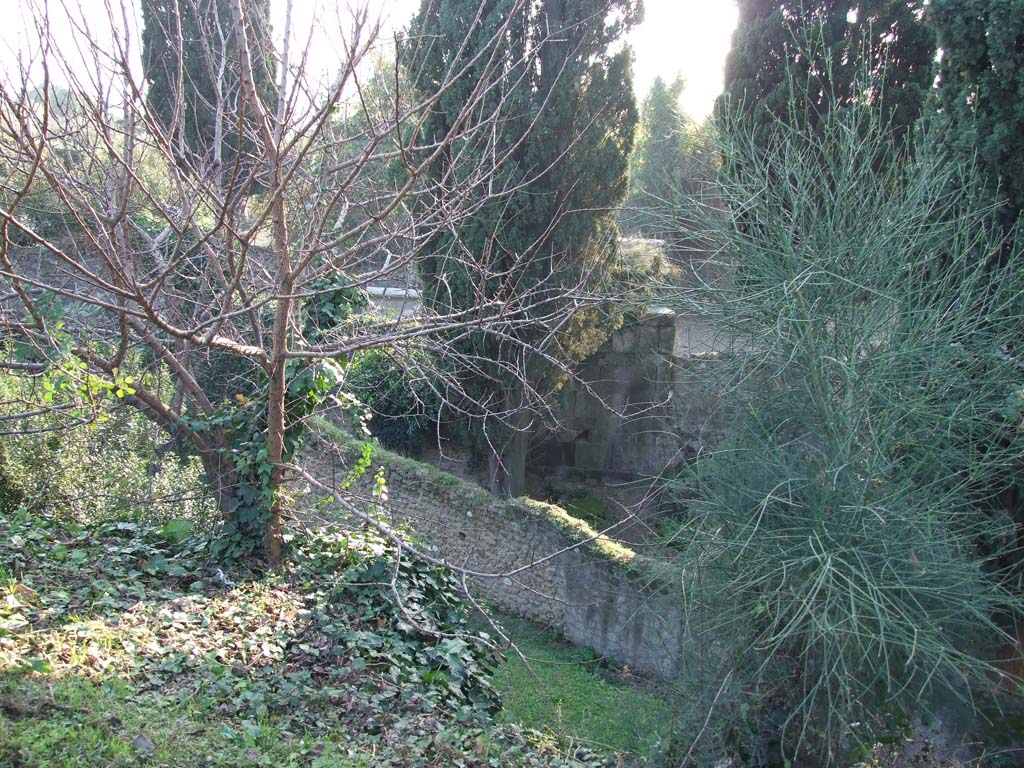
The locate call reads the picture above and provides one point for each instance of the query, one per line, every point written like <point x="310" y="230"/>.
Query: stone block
<point x="591" y="455"/>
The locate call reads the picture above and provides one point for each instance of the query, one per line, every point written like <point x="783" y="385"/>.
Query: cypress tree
<point x="980" y="94"/>
<point x="190" y="58"/>
<point x="562" y="120"/>
<point x="656" y="166"/>
<point x="795" y="60"/>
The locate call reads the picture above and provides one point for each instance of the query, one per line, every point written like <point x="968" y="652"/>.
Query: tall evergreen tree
<point x="673" y="162"/>
<point x="564" y="117"/>
<point x="795" y="60"/>
<point x="980" y="95"/>
<point x="190" y="59"/>
<point x="656" y="165"/>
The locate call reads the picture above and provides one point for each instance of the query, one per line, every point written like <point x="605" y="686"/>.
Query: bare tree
<point x="163" y="259"/>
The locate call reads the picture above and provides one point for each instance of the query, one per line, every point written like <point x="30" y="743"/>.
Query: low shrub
<point x="88" y="467"/>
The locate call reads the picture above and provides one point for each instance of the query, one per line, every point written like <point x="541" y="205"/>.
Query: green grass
<point x="75" y="722"/>
<point x="565" y="692"/>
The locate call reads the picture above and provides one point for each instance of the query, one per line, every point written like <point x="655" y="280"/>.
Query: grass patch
<point x="590" y="510"/>
<point x="75" y="722"/>
<point x="569" y="695"/>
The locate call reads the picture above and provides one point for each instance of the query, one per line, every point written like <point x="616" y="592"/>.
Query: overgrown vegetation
<point x="850" y="532"/>
<point x="77" y="461"/>
<point x="403" y="404"/>
<point x="192" y="248"/>
<point x="123" y="644"/>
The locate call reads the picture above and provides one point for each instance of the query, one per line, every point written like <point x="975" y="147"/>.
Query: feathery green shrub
<point x="850" y="529"/>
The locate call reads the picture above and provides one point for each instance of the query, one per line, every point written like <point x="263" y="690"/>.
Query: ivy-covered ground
<point x="122" y="645"/>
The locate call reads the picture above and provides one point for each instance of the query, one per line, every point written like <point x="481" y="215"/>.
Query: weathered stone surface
<point x="546" y="565"/>
<point x="638" y="405"/>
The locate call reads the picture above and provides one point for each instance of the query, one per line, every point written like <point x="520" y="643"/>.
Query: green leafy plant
<point x="74" y="459"/>
<point x="590" y="510"/>
<point x="404" y="405"/>
<point x="565" y="690"/>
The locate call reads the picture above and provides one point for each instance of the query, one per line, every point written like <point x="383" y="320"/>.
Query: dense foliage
<point x="544" y="229"/>
<point x="980" y="93"/>
<point x="797" y="60"/>
<point x="850" y="549"/>
<point x="402" y="402"/>
<point x="673" y="165"/>
<point x="83" y="464"/>
<point x="849" y="527"/>
<point x="190" y="60"/>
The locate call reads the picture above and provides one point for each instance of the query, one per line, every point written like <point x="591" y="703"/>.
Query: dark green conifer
<point x="795" y="60"/>
<point x="561" y="119"/>
<point x="660" y="164"/>
<point x="190" y="59"/>
<point x="980" y="94"/>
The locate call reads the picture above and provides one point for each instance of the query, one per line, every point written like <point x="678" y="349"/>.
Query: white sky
<point x="685" y="37"/>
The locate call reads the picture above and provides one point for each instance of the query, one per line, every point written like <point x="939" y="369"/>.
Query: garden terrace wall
<point x="596" y="592"/>
<point x="637" y="405"/>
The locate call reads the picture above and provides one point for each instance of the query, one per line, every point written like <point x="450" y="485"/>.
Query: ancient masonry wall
<point x="595" y="591"/>
<point x="637" y="406"/>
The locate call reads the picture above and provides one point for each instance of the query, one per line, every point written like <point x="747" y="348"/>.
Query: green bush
<point x="85" y="467"/>
<point x="399" y="393"/>
<point x="848" y="530"/>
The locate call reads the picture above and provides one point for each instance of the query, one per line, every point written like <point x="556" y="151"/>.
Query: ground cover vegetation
<point x="123" y="643"/>
<point x="573" y="694"/>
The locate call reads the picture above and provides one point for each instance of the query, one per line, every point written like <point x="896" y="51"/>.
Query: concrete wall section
<point x="637" y="405"/>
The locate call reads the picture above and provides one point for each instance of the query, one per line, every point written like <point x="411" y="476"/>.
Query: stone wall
<point x="636" y="405"/>
<point x="596" y="592"/>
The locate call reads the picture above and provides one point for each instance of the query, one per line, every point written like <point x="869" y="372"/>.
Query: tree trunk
<point x="275" y="455"/>
<point x="507" y="465"/>
<point x="284" y="286"/>
<point x="220" y="473"/>
<point x="278" y="385"/>
<point x="276" y="390"/>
